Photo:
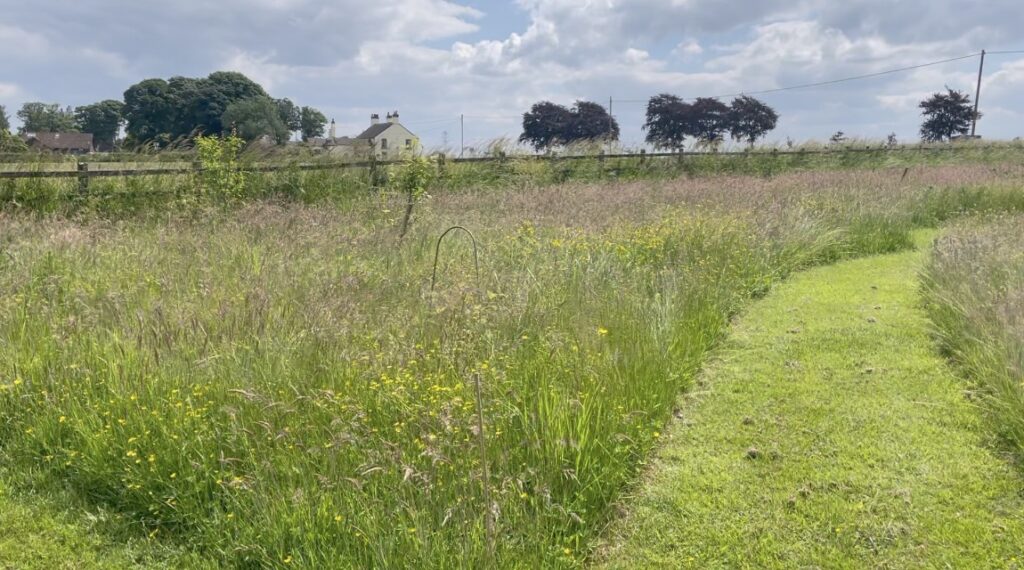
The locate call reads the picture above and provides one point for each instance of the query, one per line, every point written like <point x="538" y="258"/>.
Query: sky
<point x="434" y="60"/>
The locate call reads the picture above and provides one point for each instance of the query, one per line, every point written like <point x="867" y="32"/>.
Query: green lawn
<point x="826" y="434"/>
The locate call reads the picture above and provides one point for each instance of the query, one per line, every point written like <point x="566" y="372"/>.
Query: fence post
<point x="643" y="156"/>
<point x="440" y="164"/>
<point x="83" y="178"/>
<point x="373" y="170"/>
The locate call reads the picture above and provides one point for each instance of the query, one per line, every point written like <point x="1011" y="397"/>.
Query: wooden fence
<point x="86" y="170"/>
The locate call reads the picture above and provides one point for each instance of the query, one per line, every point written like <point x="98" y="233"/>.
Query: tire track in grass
<point x="826" y="433"/>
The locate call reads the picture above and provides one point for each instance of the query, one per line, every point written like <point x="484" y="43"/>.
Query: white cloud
<point x="1008" y="79"/>
<point x="687" y="48"/>
<point x="8" y="91"/>
<point x="902" y="101"/>
<point x="26" y="44"/>
<point x="636" y="56"/>
<point x="435" y="59"/>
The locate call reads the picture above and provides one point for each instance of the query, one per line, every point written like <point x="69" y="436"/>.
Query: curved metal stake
<point x="437" y="254"/>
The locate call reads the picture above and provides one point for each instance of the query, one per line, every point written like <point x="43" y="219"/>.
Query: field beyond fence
<point x="41" y="167"/>
<point x="123" y="184"/>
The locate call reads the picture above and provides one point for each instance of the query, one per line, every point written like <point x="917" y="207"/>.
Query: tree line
<point x="670" y="121"/>
<point x="164" y="112"/>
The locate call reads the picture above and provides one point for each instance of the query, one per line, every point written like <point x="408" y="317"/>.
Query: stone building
<point x="386" y="140"/>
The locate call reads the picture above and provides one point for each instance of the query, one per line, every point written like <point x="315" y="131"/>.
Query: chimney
<point x="334" y="131"/>
<point x="393" y="117"/>
<point x="374" y="119"/>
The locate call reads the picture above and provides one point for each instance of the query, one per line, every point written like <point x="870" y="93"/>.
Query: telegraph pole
<point x="610" y="122"/>
<point x="977" y="94"/>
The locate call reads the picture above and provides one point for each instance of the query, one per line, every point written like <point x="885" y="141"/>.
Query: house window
<point x="383" y="144"/>
<point x="408" y="143"/>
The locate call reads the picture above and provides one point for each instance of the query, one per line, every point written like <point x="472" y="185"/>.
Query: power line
<point x="434" y="121"/>
<point x="854" y="78"/>
<point x="436" y="128"/>
<point x="781" y="89"/>
<point x="832" y="81"/>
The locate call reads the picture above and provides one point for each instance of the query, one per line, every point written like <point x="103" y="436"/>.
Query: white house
<point x="387" y="141"/>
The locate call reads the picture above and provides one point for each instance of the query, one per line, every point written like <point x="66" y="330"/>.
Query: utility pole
<point x="610" y="121"/>
<point x="462" y="134"/>
<point x="977" y="94"/>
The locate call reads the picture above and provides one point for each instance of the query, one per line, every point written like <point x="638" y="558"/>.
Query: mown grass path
<point x="34" y="536"/>
<point x="826" y="433"/>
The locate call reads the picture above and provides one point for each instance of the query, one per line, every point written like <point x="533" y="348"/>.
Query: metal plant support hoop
<point x="437" y="254"/>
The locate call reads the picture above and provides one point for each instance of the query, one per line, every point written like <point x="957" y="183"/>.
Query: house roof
<point x="329" y="142"/>
<point x="62" y="141"/>
<point x="374" y="131"/>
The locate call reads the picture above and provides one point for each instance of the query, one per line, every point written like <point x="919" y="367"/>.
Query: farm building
<point x="66" y="143"/>
<point x="386" y="140"/>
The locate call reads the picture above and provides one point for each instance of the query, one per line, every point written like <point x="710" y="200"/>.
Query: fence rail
<point x="86" y="170"/>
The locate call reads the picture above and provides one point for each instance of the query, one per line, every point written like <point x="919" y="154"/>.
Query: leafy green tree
<point x="670" y="120"/>
<point x="5" y="121"/>
<point x="103" y="120"/>
<point x="291" y="115"/>
<point x="946" y="114"/>
<point x="46" y="118"/>
<point x="205" y="104"/>
<point x="150" y="109"/>
<point x="591" y="122"/>
<point x="11" y="143"/>
<point x="253" y="118"/>
<point x="545" y="125"/>
<point x="749" y="119"/>
<point x="666" y="121"/>
<point x="311" y="123"/>
<point x="185" y="93"/>
<point x="159" y="110"/>
<point x="707" y="120"/>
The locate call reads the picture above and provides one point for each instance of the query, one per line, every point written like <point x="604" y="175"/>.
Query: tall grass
<point x="974" y="285"/>
<point x="130" y="196"/>
<point x="277" y="385"/>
